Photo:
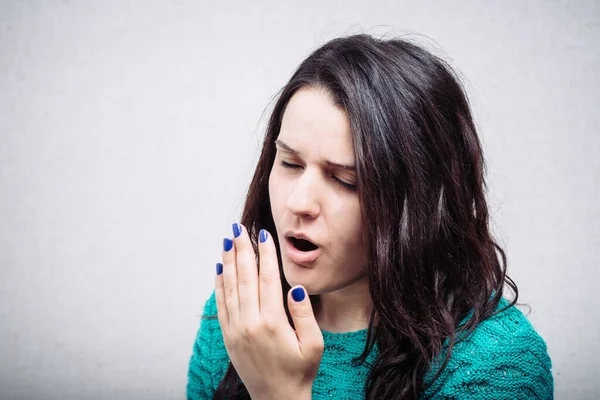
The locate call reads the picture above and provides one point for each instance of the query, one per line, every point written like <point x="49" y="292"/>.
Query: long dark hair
<point x="420" y="169"/>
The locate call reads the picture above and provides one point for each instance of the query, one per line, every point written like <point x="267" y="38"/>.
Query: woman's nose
<point x="303" y="199"/>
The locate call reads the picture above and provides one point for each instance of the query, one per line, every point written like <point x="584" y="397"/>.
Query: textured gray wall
<point x="128" y="134"/>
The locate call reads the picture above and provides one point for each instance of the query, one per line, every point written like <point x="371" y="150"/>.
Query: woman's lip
<point x="300" y="257"/>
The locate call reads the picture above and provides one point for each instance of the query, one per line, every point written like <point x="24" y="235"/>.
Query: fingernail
<point x="263" y="235"/>
<point x="237" y="230"/>
<point x="219" y="268"/>
<point x="298" y="294"/>
<point x="227" y="244"/>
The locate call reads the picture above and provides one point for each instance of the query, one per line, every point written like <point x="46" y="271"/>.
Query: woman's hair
<point x="432" y="260"/>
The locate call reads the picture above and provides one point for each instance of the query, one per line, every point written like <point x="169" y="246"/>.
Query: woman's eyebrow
<point x="287" y="148"/>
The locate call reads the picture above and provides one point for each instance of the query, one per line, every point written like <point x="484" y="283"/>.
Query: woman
<point x="369" y="197"/>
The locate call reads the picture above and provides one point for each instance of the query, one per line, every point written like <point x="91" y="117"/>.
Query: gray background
<point x="128" y="135"/>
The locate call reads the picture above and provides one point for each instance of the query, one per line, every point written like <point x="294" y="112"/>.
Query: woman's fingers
<point x="307" y="329"/>
<point x="220" y="297"/>
<point x="247" y="275"/>
<point x="230" y="289"/>
<point x="271" y="297"/>
<point x="247" y="293"/>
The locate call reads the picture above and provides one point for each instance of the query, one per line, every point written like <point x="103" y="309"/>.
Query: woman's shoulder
<point x="209" y="314"/>
<point x="209" y="334"/>
<point x="508" y="329"/>
<point x="503" y="356"/>
<point x="209" y="359"/>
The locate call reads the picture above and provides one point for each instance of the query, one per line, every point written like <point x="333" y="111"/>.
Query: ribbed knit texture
<point x="504" y="358"/>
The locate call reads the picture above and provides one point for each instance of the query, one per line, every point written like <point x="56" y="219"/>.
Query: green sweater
<point x="504" y="358"/>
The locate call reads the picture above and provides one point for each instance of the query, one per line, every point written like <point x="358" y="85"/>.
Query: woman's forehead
<point x="313" y="125"/>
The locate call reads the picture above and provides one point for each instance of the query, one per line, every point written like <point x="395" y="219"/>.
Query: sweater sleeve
<point x="530" y="378"/>
<point x="209" y="359"/>
<point x="505" y="359"/>
<point x="525" y="377"/>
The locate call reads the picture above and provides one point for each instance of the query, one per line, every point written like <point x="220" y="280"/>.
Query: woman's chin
<point x="298" y="275"/>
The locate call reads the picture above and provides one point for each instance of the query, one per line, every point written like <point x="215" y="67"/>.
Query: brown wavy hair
<point x="432" y="259"/>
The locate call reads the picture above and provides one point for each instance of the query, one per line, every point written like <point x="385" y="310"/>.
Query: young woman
<point x="363" y="266"/>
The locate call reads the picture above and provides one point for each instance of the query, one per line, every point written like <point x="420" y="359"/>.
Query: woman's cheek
<point x="278" y="188"/>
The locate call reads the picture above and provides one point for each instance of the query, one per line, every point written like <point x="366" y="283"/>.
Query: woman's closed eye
<point x="291" y="166"/>
<point x="346" y="185"/>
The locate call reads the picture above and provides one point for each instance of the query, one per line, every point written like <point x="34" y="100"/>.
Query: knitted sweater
<point x="504" y="358"/>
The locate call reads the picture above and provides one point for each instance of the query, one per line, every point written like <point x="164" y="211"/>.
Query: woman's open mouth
<point x="301" y="251"/>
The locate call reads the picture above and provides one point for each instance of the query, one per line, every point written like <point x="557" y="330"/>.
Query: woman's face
<point x="312" y="193"/>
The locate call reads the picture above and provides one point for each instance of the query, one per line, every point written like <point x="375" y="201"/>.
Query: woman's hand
<point x="273" y="360"/>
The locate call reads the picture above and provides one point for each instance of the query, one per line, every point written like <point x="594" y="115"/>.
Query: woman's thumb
<point x="308" y="332"/>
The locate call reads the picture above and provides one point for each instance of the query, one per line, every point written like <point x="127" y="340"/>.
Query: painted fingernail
<point x="237" y="230"/>
<point x="227" y="244"/>
<point x="263" y="235"/>
<point x="298" y="294"/>
<point x="219" y="268"/>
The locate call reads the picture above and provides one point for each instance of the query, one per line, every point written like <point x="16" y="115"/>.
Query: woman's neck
<point x="345" y="310"/>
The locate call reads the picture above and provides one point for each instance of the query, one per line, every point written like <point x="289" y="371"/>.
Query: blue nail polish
<point x="298" y="294"/>
<point x="219" y="268"/>
<point x="237" y="230"/>
<point x="227" y="244"/>
<point x="263" y="235"/>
